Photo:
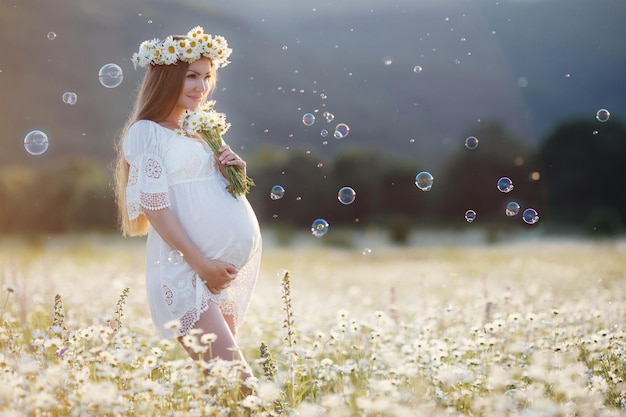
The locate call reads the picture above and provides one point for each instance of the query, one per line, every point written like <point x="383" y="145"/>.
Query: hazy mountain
<point x="526" y="64"/>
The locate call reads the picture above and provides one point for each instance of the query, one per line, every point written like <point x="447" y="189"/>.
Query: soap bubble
<point x="424" y="181"/>
<point x="470" y="215"/>
<point x="324" y="133"/>
<point x="530" y="216"/>
<point x="367" y="251"/>
<point x="471" y="142"/>
<point x="319" y="227"/>
<point x="328" y="116"/>
<point x="277" y="192"/>
<point x="341" y="131"/>
<point x="505" y="184"/>
<point x="36" y="142"/>
<point x="110" y="75"/>
<point x="346" y="195"/>
<point x="52" y="36"/>
<point x="175" y="257"/>
<point x="308" y="119"/>
<point x="417" y="69"/>
<point x="69" y="98"/>
<point x="603" y="115"/>
<point x="512" y="208"/>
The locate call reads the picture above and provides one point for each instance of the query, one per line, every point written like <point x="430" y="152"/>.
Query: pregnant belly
<point x="231" y="234"/>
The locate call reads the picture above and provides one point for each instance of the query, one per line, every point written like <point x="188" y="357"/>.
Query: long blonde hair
<point x="157" y="97"/>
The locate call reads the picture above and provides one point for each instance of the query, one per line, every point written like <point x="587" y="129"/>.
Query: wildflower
<point x="208" y="338"/>
<point x="9" y="288"/>
<point x="268" y="391"/>
<point x="61" y="353"/>
<point x="326" y="362"/>
<point x="252" y="402"/>
<point x="173" y="325"/>
<point x="150" y="361"/>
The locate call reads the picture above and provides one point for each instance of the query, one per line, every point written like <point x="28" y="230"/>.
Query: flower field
<point x="518" y="329"/>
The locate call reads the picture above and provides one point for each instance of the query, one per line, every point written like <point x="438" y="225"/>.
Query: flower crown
<point x="189" y="49"/>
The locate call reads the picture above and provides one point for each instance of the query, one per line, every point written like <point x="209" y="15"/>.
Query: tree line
<point x="574" y="179"/>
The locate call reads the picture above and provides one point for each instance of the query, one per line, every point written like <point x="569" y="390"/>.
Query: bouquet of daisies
<point x="210" y="125"/>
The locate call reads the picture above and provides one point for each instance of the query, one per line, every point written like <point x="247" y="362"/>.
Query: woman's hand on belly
<point x="217" y="275"/>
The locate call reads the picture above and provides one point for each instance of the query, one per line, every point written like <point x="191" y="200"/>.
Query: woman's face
<point x="196" y="85"/>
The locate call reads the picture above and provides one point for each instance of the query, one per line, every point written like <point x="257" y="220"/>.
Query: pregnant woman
<point x="203" y="245"/>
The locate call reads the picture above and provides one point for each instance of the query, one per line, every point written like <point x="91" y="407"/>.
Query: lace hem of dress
<point x="232" y="301"/>
<point x="154" y="201"/>
<point x="190" y="318"/>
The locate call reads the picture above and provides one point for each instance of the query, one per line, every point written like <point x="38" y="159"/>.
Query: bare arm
<point x="215" y="273"/>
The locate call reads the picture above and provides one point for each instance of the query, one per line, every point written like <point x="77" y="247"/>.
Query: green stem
<point x="238" y="182"/>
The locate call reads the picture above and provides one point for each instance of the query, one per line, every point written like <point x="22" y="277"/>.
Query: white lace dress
<point x="168" y="169"/>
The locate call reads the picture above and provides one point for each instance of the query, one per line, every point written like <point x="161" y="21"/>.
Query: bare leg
<point x="230" y="320"/>
<point x="224" y="347"/>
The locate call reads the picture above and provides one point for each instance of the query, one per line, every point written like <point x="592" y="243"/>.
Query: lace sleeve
<point x="147" y="186"/>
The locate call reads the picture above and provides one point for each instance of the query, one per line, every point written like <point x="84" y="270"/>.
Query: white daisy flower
<point x="169" y="51"/>
<point x="208" y="338"/>
<point x="9" y="288"/>
<point x="196" y="32"/>
<point x="173" y="325"/>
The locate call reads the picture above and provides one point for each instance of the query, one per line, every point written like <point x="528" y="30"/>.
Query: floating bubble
<point x="277" y="192"/>
<point x="319" y="227"/>
<point x="603" y="115"/>
<point x="346" y="195"/>
<point x="417" y="69"/>
<point x="367" y="251"/>
<point x="341" y="131"/>
<point x="471" y="142"/>
<point x="36" y="142"/>
<point x="424" y="181"/>
<point x="52" y="36"/>
<point x="308" y="119"/>
<point x="324" y="133"/>
<point x="512" y="208"/>
<point x="111" y="75"/>
<point x="470" y="215"/>
<point x="505" y="184"/>
<point x="69" y="98"/>
<point x="530" y="216"/>
<point x="328" y="116"/>
<point x="175" y="257"/>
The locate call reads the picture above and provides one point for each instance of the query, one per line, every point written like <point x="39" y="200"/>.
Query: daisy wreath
<point x="188" y="48"/>
<point x="210" y="125"/>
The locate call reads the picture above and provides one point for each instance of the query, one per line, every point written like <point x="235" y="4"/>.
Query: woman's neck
<point x="171" y="121"/>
